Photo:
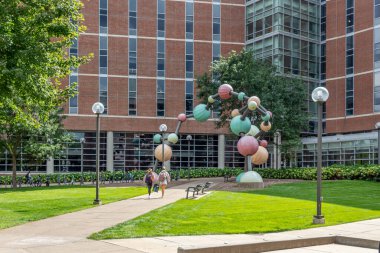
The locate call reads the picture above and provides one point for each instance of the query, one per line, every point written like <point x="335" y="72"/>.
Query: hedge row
<point x="329" y="173"/>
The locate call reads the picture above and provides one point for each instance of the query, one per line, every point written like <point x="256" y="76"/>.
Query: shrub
<point x="335" y="172"/>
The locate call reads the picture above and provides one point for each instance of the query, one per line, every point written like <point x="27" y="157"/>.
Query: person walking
<point x="164" y="178"/>
<point x="148" y="179"/>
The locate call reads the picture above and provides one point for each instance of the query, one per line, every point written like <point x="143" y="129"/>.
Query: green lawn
<point x="29" y="204"/>
<point x="278" y="208"/>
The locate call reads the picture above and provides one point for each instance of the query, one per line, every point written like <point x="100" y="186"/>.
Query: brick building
<point x="148" y="53"/>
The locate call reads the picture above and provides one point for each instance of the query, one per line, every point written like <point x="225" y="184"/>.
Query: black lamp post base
<point x="318" y="219"/>
<point x="97" y="202"/>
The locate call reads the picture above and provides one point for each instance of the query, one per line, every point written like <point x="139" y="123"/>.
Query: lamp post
<point x="163" y="129"/>
<point x="320" y="96"/>
<point x="82" y="142"/>
<point x="189" y="138"/>
<point x="97" y="108"/>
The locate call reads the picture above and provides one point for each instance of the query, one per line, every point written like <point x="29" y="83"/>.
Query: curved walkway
<point x="67" y="233"/>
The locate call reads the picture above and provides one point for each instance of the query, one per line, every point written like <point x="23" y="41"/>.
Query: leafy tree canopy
<point x="283" y="96"/>
<point x="34" y="39"/>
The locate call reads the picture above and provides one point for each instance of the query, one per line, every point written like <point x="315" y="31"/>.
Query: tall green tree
<point x="34" y="39"/>
<point x="283" y="96"/>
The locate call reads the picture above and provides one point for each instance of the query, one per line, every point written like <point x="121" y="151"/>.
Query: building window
<point x="160" y="97"/>
<point x="189" y="93"/>
<point x="132" y="96"/>
<point x="349" y="54"/>
<point x="161" y="58"/>
<point x="215" y="51"/>
<point x="349" y="96"/>
<point x="377" y="12"/>
<point x="249" y="22"/>
<point x="161" y="18"/>
<point x="132" y="17"/>
<point x="377" y="91"/>
<point x="73" y="79"/>
<point x="132" y="56"/>
<point x="350" y="16"/>
<point x="103" y="16"/>
<point x="216" y="21"/>
<point x="189" y="59"/>
<point x="103" y="53"/>
<point x="189" y="20"/>
<point x="103" y="91"/>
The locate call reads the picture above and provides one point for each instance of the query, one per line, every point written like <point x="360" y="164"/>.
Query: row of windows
<point x="103" y="53"/>
<point x="160" y="97"/>
<point x="349" y="96"/>
<point x="160" y="83"/>
<point x="350" y="16"/>
<point x="132" y="17"/>
<point x="277" y="20"/>
<point x="323" y="42"/>
<point x="132" y="67"/>
<point x="189" y="35"/>
<point x="349" y="57"/>
<point x="73" y="78"/>
<point x="376" y="82"/>
<point x="132" y="96"/>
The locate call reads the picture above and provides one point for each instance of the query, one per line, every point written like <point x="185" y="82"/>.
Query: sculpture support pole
<point x="178" y="127"/>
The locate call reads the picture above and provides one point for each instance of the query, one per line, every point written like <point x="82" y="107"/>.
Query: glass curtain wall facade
<point x="287" y="34"/>
<point x="136" y="151"/>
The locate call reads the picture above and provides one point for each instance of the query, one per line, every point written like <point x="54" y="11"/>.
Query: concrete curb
<point x="283" y="245"/>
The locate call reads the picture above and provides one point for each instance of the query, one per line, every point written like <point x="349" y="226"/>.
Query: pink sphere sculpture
<point x="247" y="145"/>
<point x="263" y="143"/>
<point x="182" y="117"/>
<point x="224" y="91"/>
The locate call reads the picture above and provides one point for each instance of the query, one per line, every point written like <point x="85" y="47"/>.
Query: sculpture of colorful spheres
<point x="247" y="145"/>
<point x="263" y="143"/>
<point x="167" y="153"/>
<point x="182" y="117"/>
<point x="173" y="138"/>
<point x="201" y="113"/>
<point x="157" y="138"/>
<point x="261" y="156"/>
<point x="225" y="91"/>
<point x="253" y="131"/>
<point x="238" y="125"/>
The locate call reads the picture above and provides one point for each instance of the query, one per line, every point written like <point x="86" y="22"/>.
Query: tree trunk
<point x="14" y="175"/>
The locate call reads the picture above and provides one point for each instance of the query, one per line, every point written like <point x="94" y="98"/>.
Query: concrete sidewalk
<point x="68" y="233"/>
<point x="369" y="229"/>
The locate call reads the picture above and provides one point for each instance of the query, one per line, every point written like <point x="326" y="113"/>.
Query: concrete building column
<point x="110" y="151"/>
<point x="50" y="165"/>
<point x="221" y="150"/>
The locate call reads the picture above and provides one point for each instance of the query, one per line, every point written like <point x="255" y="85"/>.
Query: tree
<point x="34" y="39"/>
<point x="283" y="96"/>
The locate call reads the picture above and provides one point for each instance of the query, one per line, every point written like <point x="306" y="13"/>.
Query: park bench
<point x="197" y="189"/>
<point x="193" y="189"/>
<point x="206" y="186"/>
<point x="226" y="177"/>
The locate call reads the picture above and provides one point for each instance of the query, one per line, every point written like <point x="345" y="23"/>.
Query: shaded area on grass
<point x="30" y="204"/>
<point x="278" y="208"/>
<point x="359" y="194"/>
